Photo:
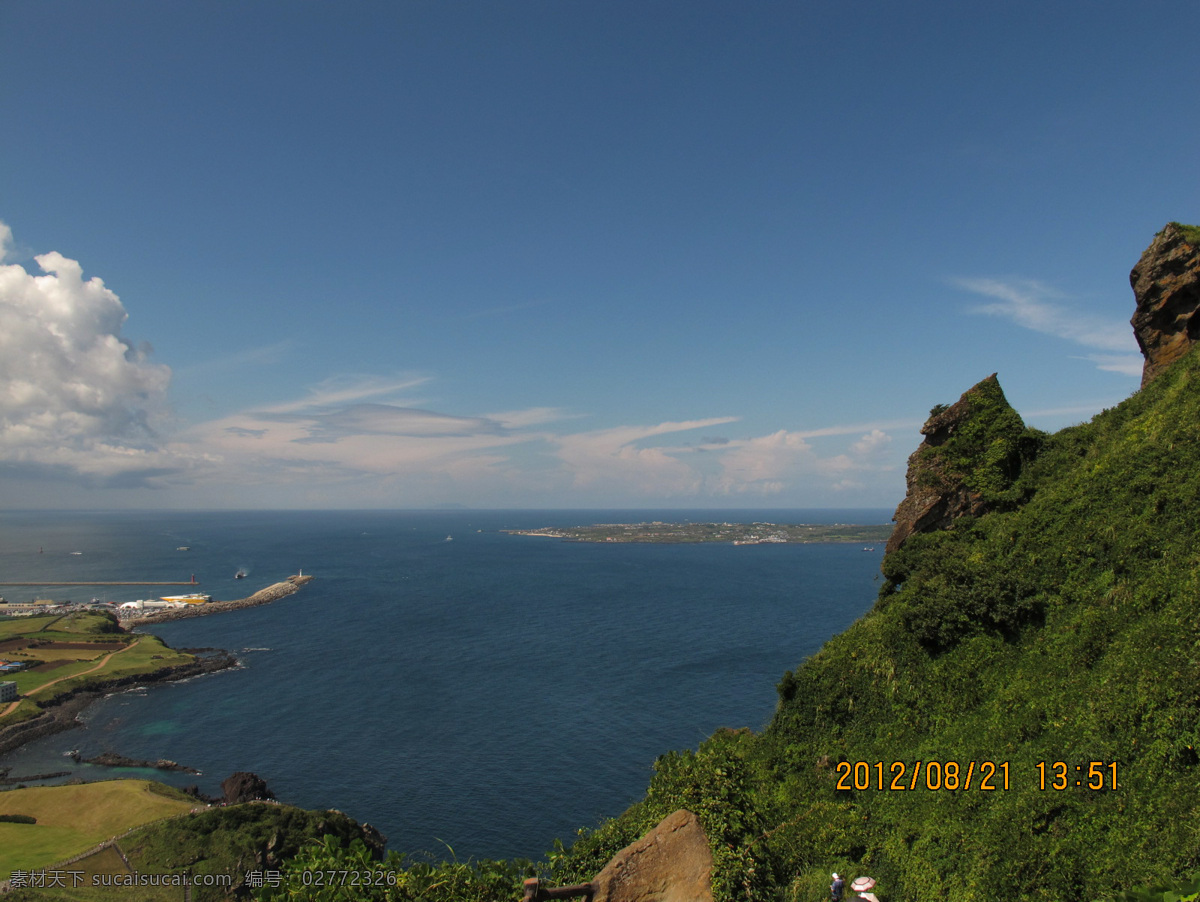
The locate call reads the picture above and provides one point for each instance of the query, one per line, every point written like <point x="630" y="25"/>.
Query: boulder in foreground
<point x="671" y="863"/>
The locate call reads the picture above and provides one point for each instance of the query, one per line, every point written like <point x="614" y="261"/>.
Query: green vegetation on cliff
<point x="221" y="851"/>
<point x="1191" y="233"/>
<point x="984" y="449"/>
<point x="1062" y="627"/>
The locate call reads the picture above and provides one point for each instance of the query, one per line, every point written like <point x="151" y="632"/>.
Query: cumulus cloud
<point x="74" y="393"/>
<point x="1035" y="306"/>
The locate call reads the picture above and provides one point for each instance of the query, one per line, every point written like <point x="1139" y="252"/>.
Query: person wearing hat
<point x="862" y="886"/>
<point x="836" y="888"/>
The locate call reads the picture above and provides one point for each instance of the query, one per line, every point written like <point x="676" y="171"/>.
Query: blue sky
<point x="563" y="254"/>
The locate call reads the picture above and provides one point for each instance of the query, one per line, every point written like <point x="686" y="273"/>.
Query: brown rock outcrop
<point x="970" y="454"/>
<point x="244" y="787"/>
<point x="671" y="863"/>
<point x="1166" y="283"/>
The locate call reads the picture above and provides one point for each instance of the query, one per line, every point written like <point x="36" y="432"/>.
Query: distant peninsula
<point x="733" y="533"/>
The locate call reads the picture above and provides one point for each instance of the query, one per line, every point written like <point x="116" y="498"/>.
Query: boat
<point x="241" y="574"/>
<point x="449" y="538"/>
<point x="184" y="548"/>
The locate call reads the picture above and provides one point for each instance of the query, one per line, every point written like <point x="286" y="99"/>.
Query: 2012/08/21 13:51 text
<point x="986" y="776"/>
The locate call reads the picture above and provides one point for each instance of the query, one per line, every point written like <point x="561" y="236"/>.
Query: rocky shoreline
<point x="112" y="759"/>
<point x="62" y="713"/>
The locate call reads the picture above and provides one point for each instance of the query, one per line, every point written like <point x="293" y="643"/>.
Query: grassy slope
<point x="1065" y="628"/>
<point x="231" y="840"/>
<point x="72" y="819"/>
<point x="1093" y="584"/>
<point x="146" y="654"/>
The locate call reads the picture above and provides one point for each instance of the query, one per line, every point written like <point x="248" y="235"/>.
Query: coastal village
<point x="125" y="609"/>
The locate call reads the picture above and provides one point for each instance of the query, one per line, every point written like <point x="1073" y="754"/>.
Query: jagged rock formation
<point x="970" y="456"/>
<point x="1166" y="283"/>
<point x="974" y="450"/>
<point x="671" y="863"/>
<point x="245" y="787"/>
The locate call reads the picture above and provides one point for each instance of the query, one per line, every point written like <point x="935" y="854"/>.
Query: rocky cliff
<point x="975" y="449"/>
<point x="1166" y="283"/>
<point x="968" y="462"/>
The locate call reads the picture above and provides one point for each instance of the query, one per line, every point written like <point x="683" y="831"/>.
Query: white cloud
<point x="763" y="460"/>
<point x="74" y="394"/>
<point x="873" y="444"/>
<point x="345" y="389"/>
<point x="534" y="416"/>
<point x="266" y="355"/>
<point x="421" y="456"/>
<point x="78" y="399"/>
<point x="1127" y="364"/>
<point x="611" y="458"/>
<point x="1035" y="306"/>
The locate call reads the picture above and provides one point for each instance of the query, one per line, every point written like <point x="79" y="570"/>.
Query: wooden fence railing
<point x="535" y="892"/>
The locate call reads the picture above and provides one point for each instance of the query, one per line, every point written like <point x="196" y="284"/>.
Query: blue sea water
<point x="451" y="684"/>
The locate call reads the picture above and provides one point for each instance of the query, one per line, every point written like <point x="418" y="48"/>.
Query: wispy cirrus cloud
<point x="1036" y="306"/>
<point x="520" y="451"/>
<point x="346" y="389"/>
<point x="264" y="355"/>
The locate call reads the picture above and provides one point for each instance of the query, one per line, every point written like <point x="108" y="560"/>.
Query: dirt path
<point x="13" y="706"/>
<point x="108" y="657"/>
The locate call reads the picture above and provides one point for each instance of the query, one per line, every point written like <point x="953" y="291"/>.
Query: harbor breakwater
<point x="271" y="593"/>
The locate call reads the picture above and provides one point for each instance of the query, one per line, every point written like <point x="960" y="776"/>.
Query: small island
<point x="733" y="533"/>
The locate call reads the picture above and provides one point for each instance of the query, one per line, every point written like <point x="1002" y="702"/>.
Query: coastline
<point x="711" y="533"/>
<point x="61" y="713"/>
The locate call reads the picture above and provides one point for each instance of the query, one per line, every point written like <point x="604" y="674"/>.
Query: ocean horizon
<point x="465" y="691"/>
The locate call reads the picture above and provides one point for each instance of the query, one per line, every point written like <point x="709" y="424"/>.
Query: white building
<point x="8" y="692"/>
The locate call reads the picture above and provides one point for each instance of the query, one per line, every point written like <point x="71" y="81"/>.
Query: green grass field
<point x="72" y="819"/>
<point x="23" y="626"/>
<point x="145" y="654"/>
